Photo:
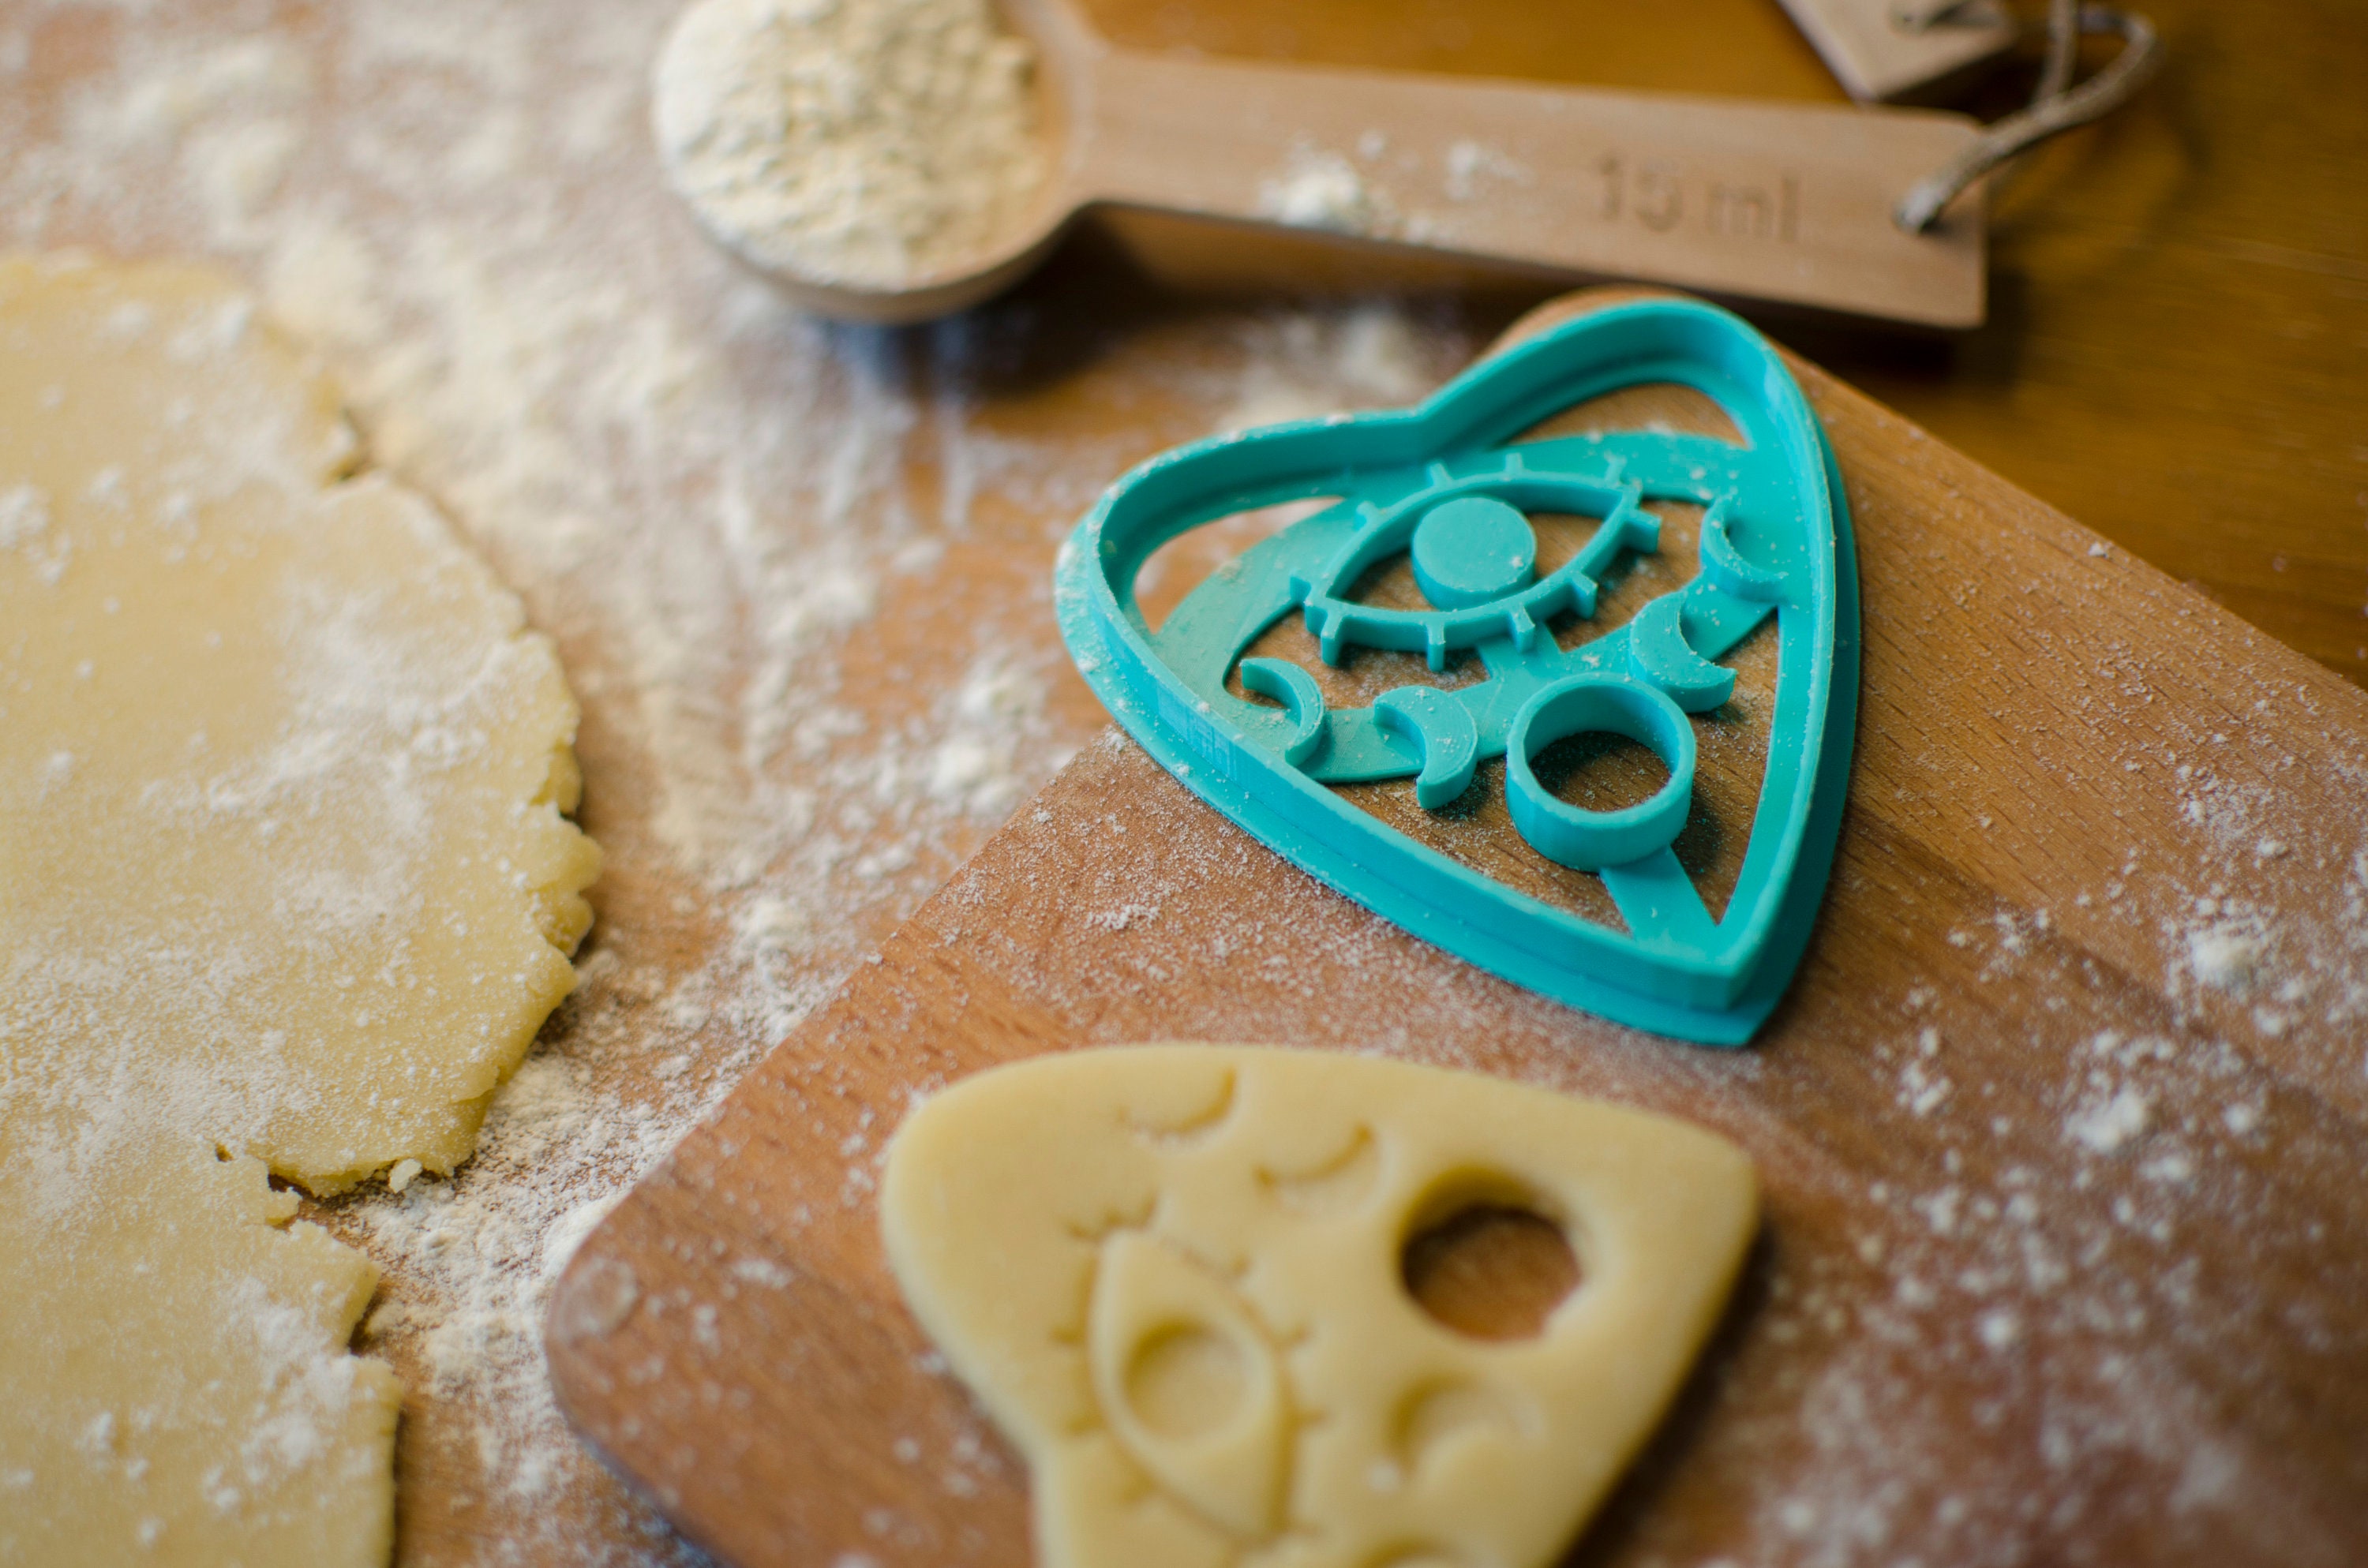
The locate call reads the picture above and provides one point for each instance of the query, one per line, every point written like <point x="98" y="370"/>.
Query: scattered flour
<point x="24" y="515"/>
<point x="1472" y="164"/>
<point x="2108" y="1125"/>
<point x="1318" y="188"/>
<point x="1311" y="366"/>
<point x="2224" y="957"/>
<point x="859" y="142"/>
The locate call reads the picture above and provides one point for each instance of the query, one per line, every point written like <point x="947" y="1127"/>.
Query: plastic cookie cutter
<point x="1448" y="485"/>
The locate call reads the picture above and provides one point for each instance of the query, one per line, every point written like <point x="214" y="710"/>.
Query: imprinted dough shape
<point x="285" y="888"/>
<point x="1172" y="1275"/>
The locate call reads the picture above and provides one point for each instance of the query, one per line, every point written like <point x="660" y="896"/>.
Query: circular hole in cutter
<point x="1600" y="771"/>
<point x="1587" y="704"/>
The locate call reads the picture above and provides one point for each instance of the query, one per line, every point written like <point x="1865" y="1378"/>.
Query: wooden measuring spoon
<point x="1779" y="202"/>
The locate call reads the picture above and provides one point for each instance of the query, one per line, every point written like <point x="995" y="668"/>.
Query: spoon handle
<point x="1772" y="201"/>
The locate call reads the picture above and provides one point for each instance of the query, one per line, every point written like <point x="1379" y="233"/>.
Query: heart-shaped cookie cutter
<point x="1435" y="481"/>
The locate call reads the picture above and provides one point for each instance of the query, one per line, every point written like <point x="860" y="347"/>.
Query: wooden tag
<point x="1886" y="48"/>
<point x="1780" y="202"/>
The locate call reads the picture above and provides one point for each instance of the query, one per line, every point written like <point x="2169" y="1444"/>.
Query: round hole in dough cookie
<point x="1490" y="1270"/>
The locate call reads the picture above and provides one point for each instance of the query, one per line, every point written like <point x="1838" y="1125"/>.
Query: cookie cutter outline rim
<point x="1680" y="973"/>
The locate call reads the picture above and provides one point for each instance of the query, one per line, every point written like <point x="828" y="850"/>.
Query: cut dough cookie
<point x="285" y="885"/>
<point x="1173" y="1275"/>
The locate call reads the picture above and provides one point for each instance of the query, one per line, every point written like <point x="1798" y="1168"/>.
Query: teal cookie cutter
<point x="1448" y="484"/>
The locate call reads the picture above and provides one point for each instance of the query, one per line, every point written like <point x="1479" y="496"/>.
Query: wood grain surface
<point x="2063" y="1255"/>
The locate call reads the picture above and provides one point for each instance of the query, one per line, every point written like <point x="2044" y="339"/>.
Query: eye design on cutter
<point x="1474" y="557"/>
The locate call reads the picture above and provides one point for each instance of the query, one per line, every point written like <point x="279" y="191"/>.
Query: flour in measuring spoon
<point x="867" y="143"/>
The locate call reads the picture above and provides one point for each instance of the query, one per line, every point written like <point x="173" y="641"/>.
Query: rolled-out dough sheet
<point x="285" y="887"/>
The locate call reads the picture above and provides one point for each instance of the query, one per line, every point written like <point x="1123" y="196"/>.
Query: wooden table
<point x="2175" y="358"/>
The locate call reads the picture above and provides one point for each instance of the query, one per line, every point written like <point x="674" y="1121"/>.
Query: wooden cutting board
<point x="2065" y="1256"/>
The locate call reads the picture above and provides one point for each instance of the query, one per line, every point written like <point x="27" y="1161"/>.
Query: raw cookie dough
<point x="1173" y="1275"/>
<point x="285" y="887"/>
